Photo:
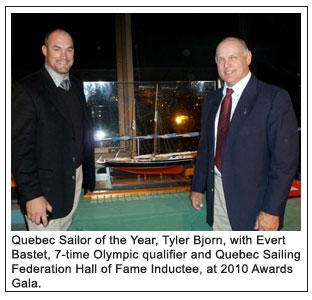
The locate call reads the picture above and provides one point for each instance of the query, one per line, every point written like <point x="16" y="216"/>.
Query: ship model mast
<point x="155" y="122"/>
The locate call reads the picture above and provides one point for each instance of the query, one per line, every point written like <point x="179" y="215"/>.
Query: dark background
<point x="166" y="46"/>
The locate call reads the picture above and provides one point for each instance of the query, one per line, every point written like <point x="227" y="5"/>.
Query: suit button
<point x="211" y="170"/>
<point x="74" y="159"/>
<point x="74" y="140"/>
<point x="211" y="190"/>
<point x="73" y="177"/>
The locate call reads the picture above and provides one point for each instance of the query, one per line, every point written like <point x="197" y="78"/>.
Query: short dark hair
<point x="48" y="34"/>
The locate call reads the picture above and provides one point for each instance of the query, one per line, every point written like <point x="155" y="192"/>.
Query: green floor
<point x="292" y="221"/>
<point x="154" y="212"/>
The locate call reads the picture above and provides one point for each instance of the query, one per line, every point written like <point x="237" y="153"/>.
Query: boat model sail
<point x="168" y="163"/>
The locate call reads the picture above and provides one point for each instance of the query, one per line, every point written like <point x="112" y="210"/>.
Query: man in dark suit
<point x="248" y="150"/>
<point x="52" y="141"/>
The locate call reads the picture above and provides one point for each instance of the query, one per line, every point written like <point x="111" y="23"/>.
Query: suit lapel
<point x="80" y="96"/>
<point x="53" y="95"/>
<point x="243" y="108"/>
<point x="212" y="115"/>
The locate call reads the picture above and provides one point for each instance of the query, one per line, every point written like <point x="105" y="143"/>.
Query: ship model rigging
<point x="154" y="163"/>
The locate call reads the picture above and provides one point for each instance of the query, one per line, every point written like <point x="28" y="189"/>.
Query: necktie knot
<point x="229" y="92"/>
<point x="65" y="84"/>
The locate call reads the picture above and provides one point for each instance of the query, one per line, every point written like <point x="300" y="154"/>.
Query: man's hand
<point x="197" y="200"/>
<point x="37" y="210"/>
<point x="266" y="222"/>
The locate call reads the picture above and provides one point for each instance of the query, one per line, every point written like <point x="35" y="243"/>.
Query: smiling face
<point x="232" y="61"/>
<point x="59" y="52"/>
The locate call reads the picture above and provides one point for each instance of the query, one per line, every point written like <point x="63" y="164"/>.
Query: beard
<point x="63" y="67"/>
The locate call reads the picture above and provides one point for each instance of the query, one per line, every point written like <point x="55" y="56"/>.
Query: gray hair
<point x="241" y="41"/>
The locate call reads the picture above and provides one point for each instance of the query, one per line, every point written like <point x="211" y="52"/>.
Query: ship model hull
<point x="170" y="166"/>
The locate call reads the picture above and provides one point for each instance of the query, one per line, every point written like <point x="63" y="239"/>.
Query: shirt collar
<point x="57" y="78"/>
<point x="239" y="86"/>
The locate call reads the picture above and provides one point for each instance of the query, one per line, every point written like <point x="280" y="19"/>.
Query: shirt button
<point x="73" y="177"/>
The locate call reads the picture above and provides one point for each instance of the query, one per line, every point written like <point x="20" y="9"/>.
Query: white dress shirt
<point x="238" y="89"/>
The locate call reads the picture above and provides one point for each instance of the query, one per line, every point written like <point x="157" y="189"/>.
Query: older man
<point x="248" y="150"/>
<point x="52" y="144"/>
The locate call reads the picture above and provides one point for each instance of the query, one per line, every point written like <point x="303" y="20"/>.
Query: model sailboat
<point x="155" y="163"/>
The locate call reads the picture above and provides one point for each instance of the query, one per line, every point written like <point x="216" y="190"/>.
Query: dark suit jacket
<point x="260" y="156"/>
<point x="43" y="143"/>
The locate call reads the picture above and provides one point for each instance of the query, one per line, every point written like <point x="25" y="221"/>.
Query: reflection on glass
<point x="102" y="101"/>
<point x="178" y="113"/>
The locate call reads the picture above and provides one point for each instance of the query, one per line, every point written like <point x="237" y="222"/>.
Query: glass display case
<point x="139" y="118"/>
